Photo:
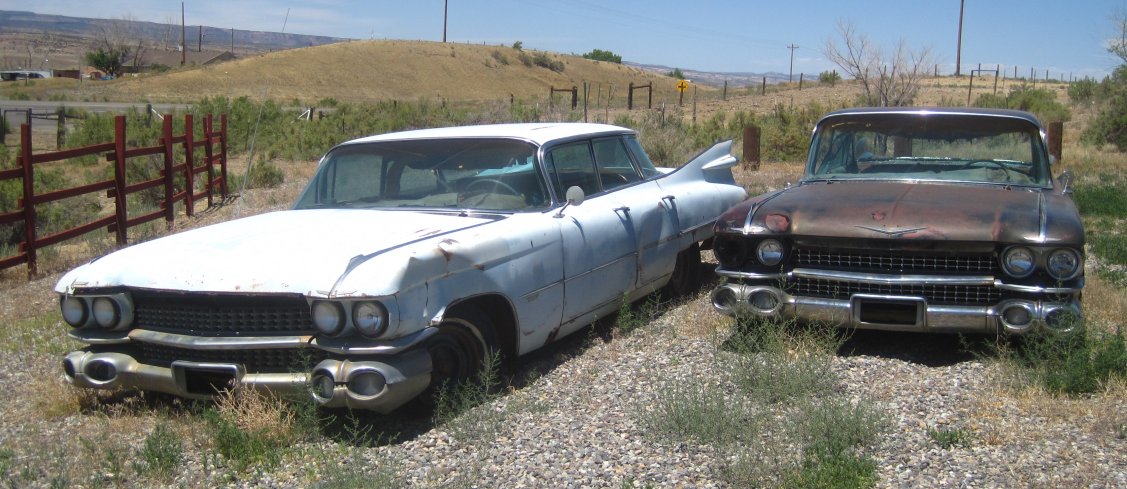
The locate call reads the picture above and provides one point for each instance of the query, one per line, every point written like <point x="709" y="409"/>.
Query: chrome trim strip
<point x="347" y="347"/>
<point x="1037" y="289"/>
<point x="220" y="342"/>
<point x="749" y="275"/>
<point x="873" y="278"/>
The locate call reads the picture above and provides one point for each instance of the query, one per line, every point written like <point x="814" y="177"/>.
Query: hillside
<point x="381" y="70"/>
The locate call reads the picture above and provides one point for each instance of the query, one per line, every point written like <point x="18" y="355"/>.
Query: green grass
<point x="951" y="437"/>
<point x="161" y="453"/>
<point x="1073" y="364"/>
<point x="774" y="417"/>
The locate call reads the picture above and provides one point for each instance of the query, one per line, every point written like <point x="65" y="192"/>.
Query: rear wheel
<point x="686" y="273"/>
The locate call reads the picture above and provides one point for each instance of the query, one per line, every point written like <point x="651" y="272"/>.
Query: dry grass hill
<point x="377" y="70"/>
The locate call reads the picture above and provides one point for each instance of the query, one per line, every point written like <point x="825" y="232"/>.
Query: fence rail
<point x="213" y="163"/>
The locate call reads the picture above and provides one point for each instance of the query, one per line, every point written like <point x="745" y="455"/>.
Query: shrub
<point x="951" y="437"/>
<point x="676" y="73"/>
<point x="161" y="453"/>
<point x="500" y="58"/>
<point x="1040" y="102"/>
<point x="600" y="55"/>
<point x="1083" y="91"/>
<point x="542" y="60"/>
<point x="829" y="77"/>
<point x="517" y="45"/>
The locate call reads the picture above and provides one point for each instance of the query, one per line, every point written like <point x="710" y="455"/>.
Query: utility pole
<point x="445" y="13"/>
<point x="183" y="35"/>
<point x="959" y="49"/>
<point x="790" y="77"/>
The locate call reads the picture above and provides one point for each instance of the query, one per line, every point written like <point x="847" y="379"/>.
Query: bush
<point x="542" y="60"/>
<point x="1083" y="91"/>
<point x="1040" y="102"/>
<point x="829" y="77"/>
<point x="676" y="73"/>
<point x="600" y="55"/>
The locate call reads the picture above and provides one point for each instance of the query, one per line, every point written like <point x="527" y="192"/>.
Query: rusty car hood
<point x="925" y="210"/>
<point x="294" y="251"/>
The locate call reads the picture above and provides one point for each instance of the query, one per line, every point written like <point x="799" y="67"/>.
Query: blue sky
<point x="1067" y="37"/>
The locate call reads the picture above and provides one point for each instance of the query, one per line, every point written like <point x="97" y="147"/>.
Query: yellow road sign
<point x="682" y="85"/>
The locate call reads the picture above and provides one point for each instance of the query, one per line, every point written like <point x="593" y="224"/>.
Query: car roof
<point x="924" y="111"/>
<point x="539" y="133"/>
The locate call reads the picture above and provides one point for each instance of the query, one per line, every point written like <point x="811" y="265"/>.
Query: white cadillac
<point x="408" y="260"/>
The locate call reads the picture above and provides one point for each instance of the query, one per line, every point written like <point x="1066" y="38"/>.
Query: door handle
<point x="623" y="209"/>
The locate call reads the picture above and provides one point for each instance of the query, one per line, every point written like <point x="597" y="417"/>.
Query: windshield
<point x="474" y="174"/>
<point x="944" y="147"/>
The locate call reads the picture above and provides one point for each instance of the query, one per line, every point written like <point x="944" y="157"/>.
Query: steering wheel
<point x="497" y="184"/>
<point x="998" y="164"/>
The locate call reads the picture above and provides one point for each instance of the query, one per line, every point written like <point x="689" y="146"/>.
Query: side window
<point x="642" y="158"/>
<point x="613" y="162"/>
<point x="573" y="166"/>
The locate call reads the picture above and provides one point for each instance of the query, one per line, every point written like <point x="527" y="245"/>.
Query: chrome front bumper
<point x="898" y="313"/>
<point x="393" y="374"/>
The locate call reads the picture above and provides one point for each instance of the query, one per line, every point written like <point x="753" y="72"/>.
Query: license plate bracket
<point x="889" y="311"/>
<point x="206" y="379"/>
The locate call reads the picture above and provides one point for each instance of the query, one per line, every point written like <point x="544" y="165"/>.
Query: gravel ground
<point x="573" y="418"/>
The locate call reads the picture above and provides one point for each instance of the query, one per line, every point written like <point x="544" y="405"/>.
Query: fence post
<point x="763" y="91"/>
<point x="28" y="200"/>
<point x="800" y="82"/>
<point x="208" y="153"/>
<point x="189" y="171"/>
<point x="61" y="135"/>
<point x="650" y="95"/>
<point x="574" y="97"/>
<point x="169" y="178"/>
<point x="630" y="97"/>
<point x="121" y="216"/>
<point x="1055" y="135"/>
<point x="223" y="154"/>
<point x="724" y="97"/>
<point x="751" y="146"/>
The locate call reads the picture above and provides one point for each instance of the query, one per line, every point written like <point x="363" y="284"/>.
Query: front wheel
<point x="459" y="350"/>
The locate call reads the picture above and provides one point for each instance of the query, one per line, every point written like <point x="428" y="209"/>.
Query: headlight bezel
<point x="362" y="315"/>
<point x="770" y="252"/>
<point x="83" y="310"/>
<point x="328" y="317"/>
<point x="1024" y="253"/>
<point x="112" y="311"/>
<point x="1076" y="266"/>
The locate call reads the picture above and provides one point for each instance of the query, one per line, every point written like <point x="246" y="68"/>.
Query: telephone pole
<point x="790" y="77"/>
<point x="959" y="49"/>
<point x="445" y="12"/>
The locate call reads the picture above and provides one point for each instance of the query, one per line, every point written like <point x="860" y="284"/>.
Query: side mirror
<point x="1065" y="181"/>
<point x="574" y="196"/>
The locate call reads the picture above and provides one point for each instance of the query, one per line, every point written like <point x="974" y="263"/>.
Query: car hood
<point x="282" y="252"/>
<point x="924" y="210"/>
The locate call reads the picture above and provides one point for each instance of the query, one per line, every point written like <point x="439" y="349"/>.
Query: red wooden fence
<point x="214" y="143"/>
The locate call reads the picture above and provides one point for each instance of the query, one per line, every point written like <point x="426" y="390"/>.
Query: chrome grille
<point x="255" y="361"/>
<point x="970" y="295"/>
<point x="897" y="262"/>
<point x="222" y="314"/>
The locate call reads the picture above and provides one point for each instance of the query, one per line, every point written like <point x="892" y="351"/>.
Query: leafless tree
<point x="1118" y="45"/>
<point x="125" y="37"/>
<point x="885" y="81"/>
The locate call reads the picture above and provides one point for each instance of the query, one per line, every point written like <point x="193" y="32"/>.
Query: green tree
<point x="676" y="73"/>
<point x="108" y="59"/>
<point x="600" y="55"/>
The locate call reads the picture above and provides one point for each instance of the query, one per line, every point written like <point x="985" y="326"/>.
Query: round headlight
<point x="106" y="312"/>
<point x="1063" y="263"/>
<point x="769" y="252"/>
<point x="370" y="318"/>
<point x="1018" y="261"/>
<point x="730" y="251"/>
<point x="74" y="310"/>
<point x="328" y="317"/>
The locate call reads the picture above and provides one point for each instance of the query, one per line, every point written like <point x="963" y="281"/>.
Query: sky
<point x="1066" y="37"/>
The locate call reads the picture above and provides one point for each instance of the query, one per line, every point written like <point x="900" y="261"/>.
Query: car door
<point x="649" y="210"/>
<point x="599" y="249"/>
